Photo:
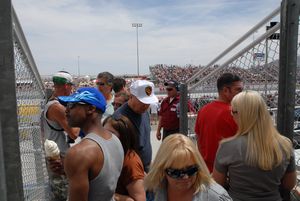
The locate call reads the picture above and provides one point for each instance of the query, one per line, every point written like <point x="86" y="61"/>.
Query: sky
<point x="87" y="36"/>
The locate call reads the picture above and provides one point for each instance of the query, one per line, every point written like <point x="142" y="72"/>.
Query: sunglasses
<point x="72" y="105"/>
<point x="180" y="173"/>
<point x="100" y="83"/>
<point x="169" y="89"/>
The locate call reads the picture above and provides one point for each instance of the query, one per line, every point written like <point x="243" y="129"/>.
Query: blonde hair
<point x="265" y="146"/>
<point x="173" y="152"/>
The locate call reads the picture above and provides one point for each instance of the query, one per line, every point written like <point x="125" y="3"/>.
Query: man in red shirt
<point x="214" y="121"/>
<point x="168" y="115"/>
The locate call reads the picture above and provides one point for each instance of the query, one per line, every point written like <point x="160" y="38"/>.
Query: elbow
<point x="289" y="186"/>
<point x="289" y="180"/>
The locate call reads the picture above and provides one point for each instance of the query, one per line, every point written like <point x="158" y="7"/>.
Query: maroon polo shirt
<point x="168" y="112"/>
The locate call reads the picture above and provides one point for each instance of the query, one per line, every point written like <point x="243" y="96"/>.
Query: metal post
<point x="10" y="168"/>
<point x="288" y="63"/>
<point x="253" y="58"/>
<point x="183" y="119"/>
<point x="137" y="25"/>
<point x="266" y="66"/>
<point x="78" y="67"/>
<point x="137" y="51"/>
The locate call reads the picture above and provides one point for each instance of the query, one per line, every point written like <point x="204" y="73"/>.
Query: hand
<point x="158" y="135"/>
<point x="119" y="197"/>
<point x="56" y="166"/>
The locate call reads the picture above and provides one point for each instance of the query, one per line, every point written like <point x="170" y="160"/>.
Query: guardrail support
<point x="183" y="121"/>
<point x="287" y="66"/>
<point x="11" y="187"/>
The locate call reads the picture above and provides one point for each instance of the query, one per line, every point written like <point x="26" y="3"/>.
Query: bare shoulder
<point x="56" y="107"/>
<point x="84" y="155"/>
<point x="55" y="110"/>
<point x="86" y="149"/>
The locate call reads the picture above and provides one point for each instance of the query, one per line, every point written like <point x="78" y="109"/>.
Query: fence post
<point x="10" y="168"/>
<point x="183" y="119"/>
<point x="287" y="66"/>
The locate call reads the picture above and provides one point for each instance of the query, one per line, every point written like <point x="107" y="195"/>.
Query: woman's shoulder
<point x="213" y="192"/>
<point x="235" y="140"/>
<point x="133" y="161"/>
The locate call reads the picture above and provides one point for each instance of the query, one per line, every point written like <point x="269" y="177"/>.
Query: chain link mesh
<point x="259" y="69"/>
<point x="30" y="98"/>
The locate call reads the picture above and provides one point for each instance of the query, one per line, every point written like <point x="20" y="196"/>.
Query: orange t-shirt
<point x="132" y="170"/>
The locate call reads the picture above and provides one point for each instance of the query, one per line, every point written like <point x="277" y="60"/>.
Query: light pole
<point x="78" y="67"/>
<point x="137" y="25"/>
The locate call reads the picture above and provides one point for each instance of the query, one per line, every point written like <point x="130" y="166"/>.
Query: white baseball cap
<point x="144" y="91"/>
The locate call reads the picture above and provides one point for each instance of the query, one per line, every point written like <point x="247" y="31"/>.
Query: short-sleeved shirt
<point x="109" y="110"/>
<point x="142" y="124"/>
<point x="248" y="183"/>
<point x="214" y="123"/>
<point x="212" y="192"/>
<point x="132" y="170"/>
<point x="169" y="113"/>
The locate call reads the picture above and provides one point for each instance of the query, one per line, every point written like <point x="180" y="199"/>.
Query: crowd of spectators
<point x="161" y="73"/>
<point x="263" y="78"/>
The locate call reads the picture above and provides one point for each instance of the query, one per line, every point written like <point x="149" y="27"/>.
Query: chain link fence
<point x="257" y="64"/>
<point x="30" y="99"/>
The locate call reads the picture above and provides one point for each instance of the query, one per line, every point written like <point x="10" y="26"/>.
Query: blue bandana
<point x="87" y="95"/>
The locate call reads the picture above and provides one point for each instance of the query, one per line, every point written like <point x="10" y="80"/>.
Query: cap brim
<point x="170" y="85"/>
<point x="149" y="100"/>
<point x="67" y="99"/>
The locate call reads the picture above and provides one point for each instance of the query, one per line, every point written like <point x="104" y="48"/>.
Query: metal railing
<point x="257" y="63"/>
<point x="29" y="96"/>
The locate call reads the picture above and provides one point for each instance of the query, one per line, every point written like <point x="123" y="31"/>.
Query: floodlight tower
<point x="137" y="25"/>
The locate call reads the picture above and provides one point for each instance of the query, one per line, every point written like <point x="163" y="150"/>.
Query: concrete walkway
<point x="154" y="142"/>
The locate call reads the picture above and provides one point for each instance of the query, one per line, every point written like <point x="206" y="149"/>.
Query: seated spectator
<point x="131" y="180"/>
<point x="178" y="172"/>
<point x="257" y="160"/>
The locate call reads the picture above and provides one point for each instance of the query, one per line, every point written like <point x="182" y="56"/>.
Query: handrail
<point x="21" y="39"/>
<point x="236" y="43"/>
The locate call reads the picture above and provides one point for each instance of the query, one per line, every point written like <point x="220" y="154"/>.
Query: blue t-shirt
<point x="142" y="124"/>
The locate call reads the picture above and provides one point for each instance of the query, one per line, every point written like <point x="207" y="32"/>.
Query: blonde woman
<point x="178" y="173"/>
<point x="257" y="159"/>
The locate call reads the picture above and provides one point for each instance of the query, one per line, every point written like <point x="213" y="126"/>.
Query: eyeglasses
<point x="169" y="89"/>
<point x="180" y="173"/>
<point x="100" y="83"/>
<point x="71" y="105"/>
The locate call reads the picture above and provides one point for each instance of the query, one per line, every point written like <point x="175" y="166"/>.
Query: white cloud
<point x="58" y="31"/>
